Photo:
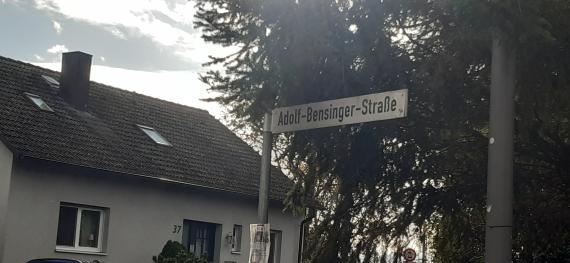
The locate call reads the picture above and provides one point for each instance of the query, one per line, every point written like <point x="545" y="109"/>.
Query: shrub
<point x="174" y="252"/>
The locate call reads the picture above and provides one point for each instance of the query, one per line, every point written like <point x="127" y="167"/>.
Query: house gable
<point x="106" y="135"/>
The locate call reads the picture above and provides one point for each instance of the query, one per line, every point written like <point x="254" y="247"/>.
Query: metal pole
<point x="498" y="232"/>
<point x="424" y="245"/>
<point x="262" y="212"/>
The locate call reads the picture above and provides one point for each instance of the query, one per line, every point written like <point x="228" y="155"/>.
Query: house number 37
<point x="176" y="229"/>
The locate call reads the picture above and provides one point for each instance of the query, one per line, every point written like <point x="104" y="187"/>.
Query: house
<point x="99" y="174"/>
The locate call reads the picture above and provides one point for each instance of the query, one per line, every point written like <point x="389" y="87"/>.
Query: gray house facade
<point x="99" y="174"/>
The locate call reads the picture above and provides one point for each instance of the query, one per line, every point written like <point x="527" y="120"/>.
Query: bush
<point x="174" y="252"/>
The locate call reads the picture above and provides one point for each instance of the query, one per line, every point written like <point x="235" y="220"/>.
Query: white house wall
<point x="6" y="158"/>
<point x="142" y="215"/>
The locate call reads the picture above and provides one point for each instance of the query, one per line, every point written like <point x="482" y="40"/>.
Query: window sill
<point x="75" y="251"/>
<point x="235" y="252"/>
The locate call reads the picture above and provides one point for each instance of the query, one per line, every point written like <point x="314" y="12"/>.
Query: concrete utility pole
<point x="264" y="178"/>
<point x="424" y="245"/>
<point x="498" y="231"/>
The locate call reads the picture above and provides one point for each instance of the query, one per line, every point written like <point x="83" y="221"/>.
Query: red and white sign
<point x="409" y="254"/>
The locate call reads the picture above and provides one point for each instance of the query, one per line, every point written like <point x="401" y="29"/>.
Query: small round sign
<point x="409" y="254"/>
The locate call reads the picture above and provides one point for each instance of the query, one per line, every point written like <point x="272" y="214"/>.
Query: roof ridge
<point x="28" y="64"/>
<point x="108" y="86"/>
<point x="149" y="97"/>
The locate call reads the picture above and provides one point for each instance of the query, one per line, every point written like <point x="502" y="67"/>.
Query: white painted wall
<point x="141" y="219"/>
<point x="6" y="158"/>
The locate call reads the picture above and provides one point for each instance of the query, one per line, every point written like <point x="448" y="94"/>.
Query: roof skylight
<point x="38" y="101"/>
<point x="51" y="81"/>
<point x="154" y="135"/>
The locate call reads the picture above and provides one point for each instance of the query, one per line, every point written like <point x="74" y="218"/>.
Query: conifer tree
<point x="380" y="183"/>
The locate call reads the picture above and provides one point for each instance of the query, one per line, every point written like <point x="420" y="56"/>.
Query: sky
<point x="146" y="46"/>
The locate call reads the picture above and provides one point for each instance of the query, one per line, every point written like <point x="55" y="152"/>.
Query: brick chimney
<point x="74" y="82"/>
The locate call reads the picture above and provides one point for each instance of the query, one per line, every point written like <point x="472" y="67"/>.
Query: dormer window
<point x="51" y="81"/>
<point x="154" y="135"/>
<point x="38" y="101"/>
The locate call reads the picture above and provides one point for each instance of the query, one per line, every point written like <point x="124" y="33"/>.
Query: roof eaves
<point x="14" y="150"/>
<point x="156" y="178"/>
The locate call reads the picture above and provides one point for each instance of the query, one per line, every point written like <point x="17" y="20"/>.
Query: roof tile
<point x="105" y="136"/>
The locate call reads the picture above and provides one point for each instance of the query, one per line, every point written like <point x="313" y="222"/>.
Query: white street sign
<point x="366" y="108"/>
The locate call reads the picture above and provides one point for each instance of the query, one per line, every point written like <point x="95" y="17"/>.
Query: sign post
<point x="259" y="247"/>
<point x="262" y="212"/>
<point x="499" y="223"/>
<point x="366" y="108"/>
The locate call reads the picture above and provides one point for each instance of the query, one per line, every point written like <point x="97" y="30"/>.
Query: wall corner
<point x="6" y="163"/>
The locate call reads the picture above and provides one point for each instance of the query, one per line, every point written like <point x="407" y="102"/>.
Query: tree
<point x="380" y="181"/>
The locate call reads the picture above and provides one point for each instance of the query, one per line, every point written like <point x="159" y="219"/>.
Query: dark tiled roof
<point x="106" y="136"/>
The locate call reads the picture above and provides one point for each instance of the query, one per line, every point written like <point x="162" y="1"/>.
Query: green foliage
<point x="459" y="237"/>
<point x="378" y="181"/>
<point x="174" y="252"/>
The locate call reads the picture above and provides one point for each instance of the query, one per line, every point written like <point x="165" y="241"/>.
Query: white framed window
<point x="38" y="101"/>
<point x="154" y="135"/>
<point x="275" y="246"/>
<point x="236" y="242"/>
<point x="80" y="228"/>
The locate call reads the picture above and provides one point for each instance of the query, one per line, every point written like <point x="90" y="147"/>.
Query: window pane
<point x="66" y="226"/>
<point x="210" y="241"/>
<point x="40" y="103"/>
<point x="201" y="239"/>
<point x="236" y="246"/>
<point x="272" y="248"/>
<point x="275" y="247"/>
<point x="154" y="135"/>
<point x="51" y="81"/>
<point x="89" y="228"/>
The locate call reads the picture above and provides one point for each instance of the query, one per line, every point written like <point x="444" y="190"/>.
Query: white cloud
<point x="57" y="49"/>
<point x="57" y="27"/>
<point x="116" y="32"/>
<point x="181" y="87"/>
<point x="38" y="57"/>
<point x="167" y="22"/>
<point x="10" y="2"/>
<point x="139" y="18"/>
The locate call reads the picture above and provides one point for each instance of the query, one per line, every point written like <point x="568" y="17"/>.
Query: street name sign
<point x="366" y="108"/>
